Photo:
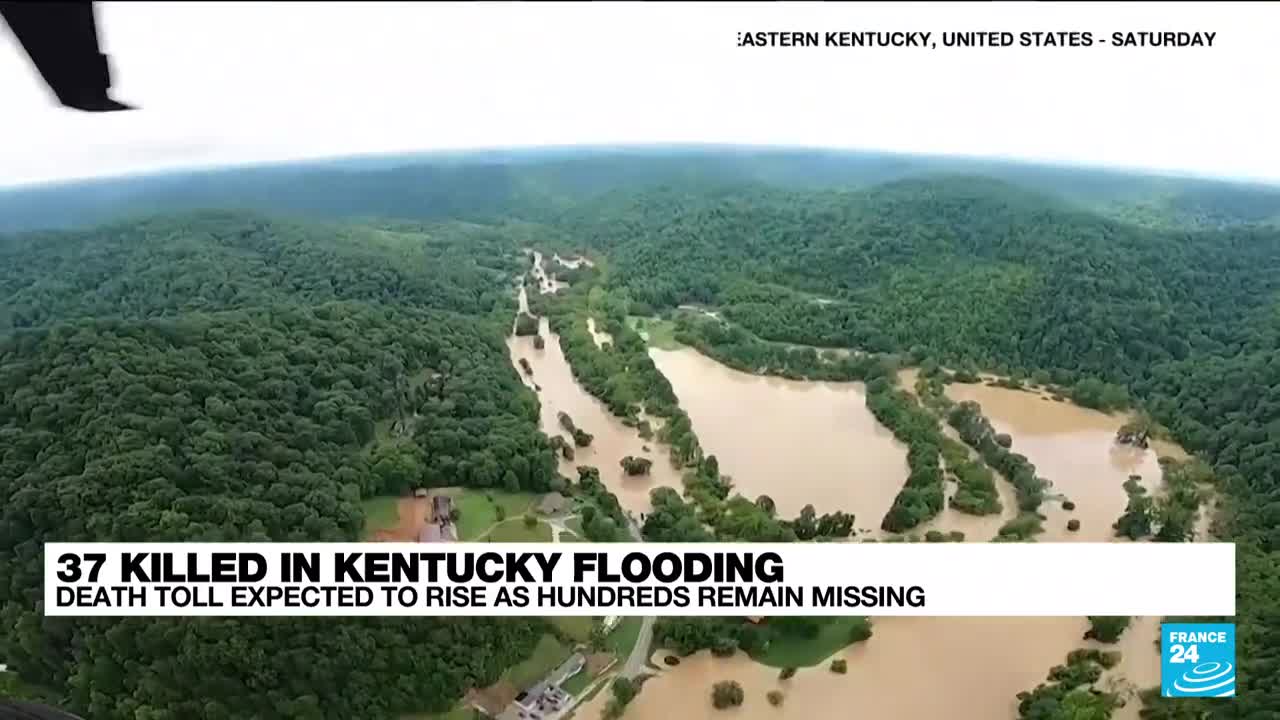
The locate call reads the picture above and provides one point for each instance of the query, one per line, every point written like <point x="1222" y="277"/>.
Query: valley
<point x="687" y="347"/>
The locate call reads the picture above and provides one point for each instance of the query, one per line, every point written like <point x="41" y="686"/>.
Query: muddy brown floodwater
<point x="803" y="442"/>
<point x="599" y="336"/>
<point x="561" y="393"/>
<point x="1075" y="449"/>
<point x="797" y="442"/>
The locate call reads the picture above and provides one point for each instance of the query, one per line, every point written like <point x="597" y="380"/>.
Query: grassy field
<point x="623" y="638"/>
<point x="479" y="509"/>
<point x="578" y="683"/>
<point x="807" y="652"/>
<point x="379" y="512"/>
<point x="549" y="653"/>
<point x="479" y="512"/>
<point x="577" y="627"/>
<point x="661" y="332"/>
<point x="516" y="531"/>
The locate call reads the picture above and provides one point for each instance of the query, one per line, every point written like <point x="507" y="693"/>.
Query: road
<point x="640" y="653"/>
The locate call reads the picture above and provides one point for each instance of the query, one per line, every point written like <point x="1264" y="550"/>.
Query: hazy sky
<point x="240" y="82"/>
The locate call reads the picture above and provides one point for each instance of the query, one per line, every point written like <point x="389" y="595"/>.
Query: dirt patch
<point x="413" y="512"/>
<point x="493" y="699"/>
<point x="596" y="662"/>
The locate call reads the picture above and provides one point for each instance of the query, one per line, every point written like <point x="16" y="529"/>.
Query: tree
<point x="624" y="690"/>
<point x="598" y="639"/>
<point x="765" y="503"/>
<point x="1106" y="629"/>
<point x="526" y="324"/>
<point x="1176" y="519"/>
<point x="775" y="697"/>
<point x="727" y="694"/>
<point x="1136" y="521"/>
<point x="805" y="526"/>
<point x="636" y="465"/>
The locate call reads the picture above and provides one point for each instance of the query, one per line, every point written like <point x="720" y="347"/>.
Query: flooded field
<point x="1072" y="447"/>
<point x="816" y="443"/>
<point x="803" y="442"/>
<point x="908" y="671"/>
<point x="559" y="392"/>
<point x="797" y="442"/>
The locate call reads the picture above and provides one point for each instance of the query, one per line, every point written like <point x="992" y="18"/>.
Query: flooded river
<point x="1075" y="449"/>
<point x="815" y="442"/>
<point x="802" y="442"/>
<point x="561" y="393"/>
<point x="911" y="669"/>
<point x="797" y="442"/>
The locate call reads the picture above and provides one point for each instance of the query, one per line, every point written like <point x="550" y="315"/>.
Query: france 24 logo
<point x="1198" y="660"/>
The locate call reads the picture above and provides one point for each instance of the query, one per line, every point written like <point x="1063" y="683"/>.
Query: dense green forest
<point x="229" y="375"/>
<point x="224" y="377"/>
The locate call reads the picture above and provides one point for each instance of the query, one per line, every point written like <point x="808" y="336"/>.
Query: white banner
<point x="384" y="579"/>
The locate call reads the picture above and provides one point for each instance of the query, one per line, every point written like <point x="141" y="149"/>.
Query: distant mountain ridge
<point x="530" y="183"/>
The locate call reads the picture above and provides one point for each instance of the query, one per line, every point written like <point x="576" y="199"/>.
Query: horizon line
<point x="424" y="153"/>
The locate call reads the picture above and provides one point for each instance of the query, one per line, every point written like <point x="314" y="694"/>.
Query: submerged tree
<point x="526" y="325"/>
<point x="727" y="694"/>
<point x="636" y="465"/>
<point x="1106" y="628"/>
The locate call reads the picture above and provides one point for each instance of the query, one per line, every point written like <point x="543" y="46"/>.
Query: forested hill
<point x="533" y="183"/>
<point x="221" y="260"/>
<point x="1183" y="320"/>
<point x="975" y="270"/>
<point x="221" y="377"/>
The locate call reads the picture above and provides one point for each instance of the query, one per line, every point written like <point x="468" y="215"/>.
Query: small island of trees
<point x="562" y="446"/>
<point x="636" y="465"/>
<point x="726" y="694"/>
<point x="1106" y="628"/>
<point x="581" y="438"/>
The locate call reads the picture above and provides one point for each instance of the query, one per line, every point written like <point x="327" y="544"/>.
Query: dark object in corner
<point x="17" y="710"/>
<point x="61" y="38"/>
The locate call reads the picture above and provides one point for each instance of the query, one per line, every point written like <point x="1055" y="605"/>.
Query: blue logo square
<point x="1198" y="660"/>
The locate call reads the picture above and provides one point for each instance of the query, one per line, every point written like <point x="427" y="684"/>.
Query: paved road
<point x="640" y="653"/>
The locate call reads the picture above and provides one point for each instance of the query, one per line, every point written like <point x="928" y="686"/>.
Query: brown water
<point x="1072" y="447"/>
<point x="911" y="669"/>
<point x="599" y="336"/>
<point x="547" y="282"/>
<point x="793" y="441"/>
<point x="797" y="442"/>
<point x="613" y="440"/>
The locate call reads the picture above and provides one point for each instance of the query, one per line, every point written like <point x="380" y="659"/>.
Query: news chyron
<point x="655" y="579"/>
